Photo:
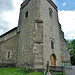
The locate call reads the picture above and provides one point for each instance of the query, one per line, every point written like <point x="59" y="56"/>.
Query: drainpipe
<point x="17" y="47"/>
<point x="18" y="33"/>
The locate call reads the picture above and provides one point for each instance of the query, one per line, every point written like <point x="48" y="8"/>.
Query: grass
<point x="35" y="73"/>
<point x="21" y="71"/>
<point x="17" y="71"/>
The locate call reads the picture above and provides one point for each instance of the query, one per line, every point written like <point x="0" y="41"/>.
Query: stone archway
<point x="53" y="60"/>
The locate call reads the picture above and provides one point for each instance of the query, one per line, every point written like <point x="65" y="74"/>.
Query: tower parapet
<point x="24" y="3"/>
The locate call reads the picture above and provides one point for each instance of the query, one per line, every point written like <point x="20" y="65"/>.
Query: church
<point x="37" y="39"/>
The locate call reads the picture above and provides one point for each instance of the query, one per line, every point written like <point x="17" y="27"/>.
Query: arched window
<point x="50" y="12"/>
<point x="52" y="44"/>
<point x="9" y="54"/>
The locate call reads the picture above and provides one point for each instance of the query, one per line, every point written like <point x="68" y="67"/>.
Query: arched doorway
<point x="53" y="60"/>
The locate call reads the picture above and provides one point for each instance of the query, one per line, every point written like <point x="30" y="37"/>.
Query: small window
<point x="26" y="14"/>
<point x="52" y="44"/>
<point x="9" y="54"/>
<point x="50" y="12"/>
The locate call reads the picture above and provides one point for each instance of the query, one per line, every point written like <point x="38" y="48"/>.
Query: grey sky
<point x="9" y="13"/>
<point x="6" y="5"/>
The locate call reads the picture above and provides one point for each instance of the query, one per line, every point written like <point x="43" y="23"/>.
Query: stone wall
<point x="8" y="34"/>
<point x="8" y="45"/>
<point x="26" y="35"/>
<point x="50" y="32"/>
<point x="64" y="49"/>
<point x="0" y="54"/>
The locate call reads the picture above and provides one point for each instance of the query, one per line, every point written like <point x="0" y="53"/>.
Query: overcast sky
<point x="9" y="13"/>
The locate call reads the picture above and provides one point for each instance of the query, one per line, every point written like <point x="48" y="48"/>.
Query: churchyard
<point x="17" y="71"/>
<point x="22" y="71"/>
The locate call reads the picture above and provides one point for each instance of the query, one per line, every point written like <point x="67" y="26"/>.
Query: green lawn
<point x="20" y="71"/>
<point x="17" y="71"/>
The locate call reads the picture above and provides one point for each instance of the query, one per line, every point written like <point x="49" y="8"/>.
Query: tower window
<point x="50" y="12"/>
<point x="52" y="44"/>
<point x="26" y="14"/>
<point x="9" y="54"/>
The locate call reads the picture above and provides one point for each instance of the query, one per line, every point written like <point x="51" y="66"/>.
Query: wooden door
<point x="53" y="60"/>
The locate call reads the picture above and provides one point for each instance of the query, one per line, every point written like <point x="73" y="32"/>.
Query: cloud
<point x="67" y="20"/>
<point x="70" y="35"/>
<point x="6" y="5"/>
<point x="1" y="31"/>
<point x="64" y="4"/>
<point x="9" y="13"/>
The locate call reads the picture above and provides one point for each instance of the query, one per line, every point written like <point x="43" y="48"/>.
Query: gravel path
<point x="70" y="71"/>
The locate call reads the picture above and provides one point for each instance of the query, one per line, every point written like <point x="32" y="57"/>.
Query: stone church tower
<point x="39" y="37"/>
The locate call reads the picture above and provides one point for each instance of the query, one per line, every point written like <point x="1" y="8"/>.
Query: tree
<point x="71" y="48"/>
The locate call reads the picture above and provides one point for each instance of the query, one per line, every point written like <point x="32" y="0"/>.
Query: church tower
<point x="38" y="35"/>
